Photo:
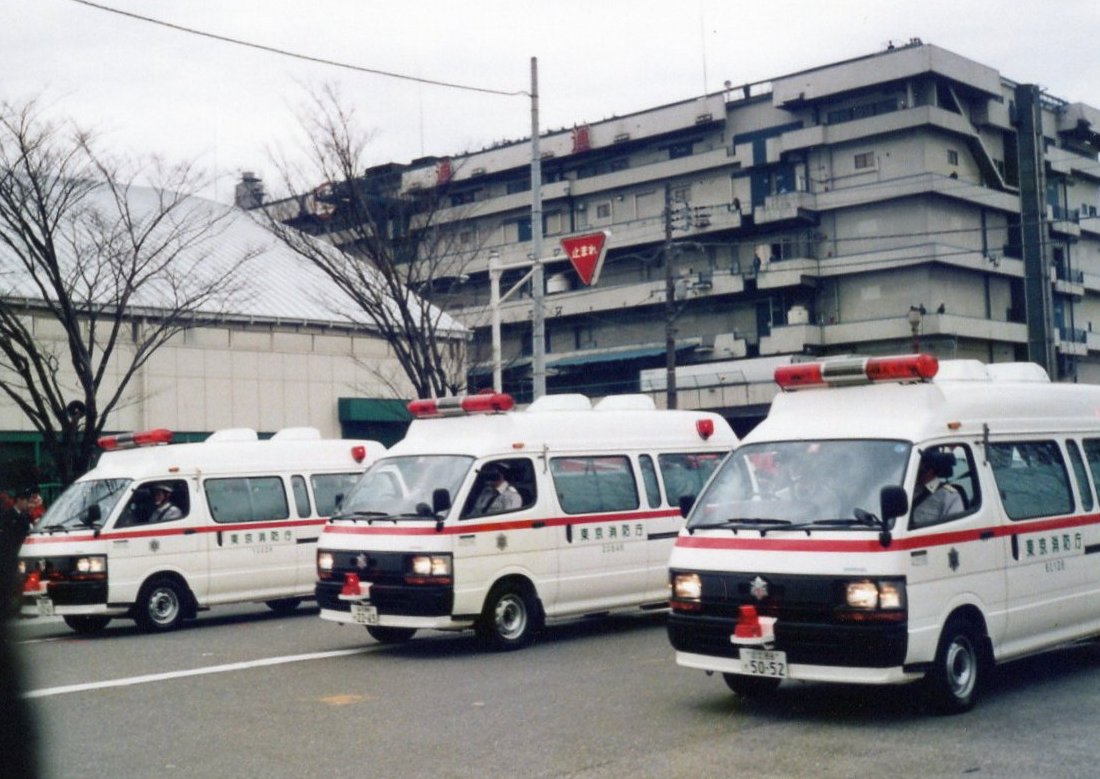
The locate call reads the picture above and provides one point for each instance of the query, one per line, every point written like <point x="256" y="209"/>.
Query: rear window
<point x="685" y="474"/>
<point x="330" y="489"/>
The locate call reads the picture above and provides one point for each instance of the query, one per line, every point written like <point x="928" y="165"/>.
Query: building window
<point x="552" y="223"/>
<point x="681" y="194"/>
<point x="865" y="160"/>
<point x="603" y="211"/>
<point x="952" y="157"/>
<point x="682" y="149"/>
<point x="513" y="187"/>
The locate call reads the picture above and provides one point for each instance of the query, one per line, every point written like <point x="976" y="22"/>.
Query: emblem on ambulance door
<point x="154" y="545"/>
<point x="361" y="561"/>
<point x="758" y="588"/>
<point x="502" y="542"/>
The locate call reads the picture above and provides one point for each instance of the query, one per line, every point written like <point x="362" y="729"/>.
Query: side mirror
<point x="441" y="501"/>
<point x="894" y="503"/>
<point x="686" y="504"/>
<point x="95" y="513"/>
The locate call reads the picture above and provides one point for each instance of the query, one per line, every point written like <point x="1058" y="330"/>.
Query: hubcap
<point x="511" y="617"/>
<point x="961" y="667"/>
<point x="163" y="606"/>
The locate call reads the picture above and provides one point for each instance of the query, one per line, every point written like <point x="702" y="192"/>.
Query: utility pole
<point x="538" y="289"/>
<point x="670" y="305"/>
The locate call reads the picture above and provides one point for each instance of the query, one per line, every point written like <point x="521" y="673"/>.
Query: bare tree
<point x="397" y="256"/>
<point x="118" y="267"/>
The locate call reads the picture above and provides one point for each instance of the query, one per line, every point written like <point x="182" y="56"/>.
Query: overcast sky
<point x="150" y="89"/>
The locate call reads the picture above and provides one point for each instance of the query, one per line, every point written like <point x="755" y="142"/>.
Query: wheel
<point x="510" y="618"/>
<point x="86" y="624"/>
<point x="160" y="606"/>
<point x="751" y="686"/>
<point x="384" y="635"/>
<point x="955" y="681"/>
<point x="283" y="605"/>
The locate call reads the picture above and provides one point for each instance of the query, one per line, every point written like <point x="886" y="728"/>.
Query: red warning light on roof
<point x="482" y="403"/>
<point x="111" y="443"/>
<point x="832" y="373"/>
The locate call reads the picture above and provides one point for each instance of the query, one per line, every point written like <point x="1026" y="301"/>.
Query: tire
<point x="510" y="619"/>
<point x="284" y="605"/>
<point x="86" y="624"/>
<point x="160" y="605"/>
<point x="751" y="686"/>
<point x="955" y="682"/>
<point x="384" y="635"/>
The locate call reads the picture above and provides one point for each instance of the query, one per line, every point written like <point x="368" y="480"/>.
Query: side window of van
<point x="685" y="474"/>
<point x="519" y="473"/>
<point x="953" y="466"/>
<point x="1084" y="489"/>
<point x="649" y="478"/>
<point x="587" y="485"/>
<point x="1092" y="456"/>
<point x="246" y="499"/>
<point x="301" y="495"/>
<point x="331" y="488"/>
<point x="147" y="506"/>
<point x="1031" y="477"/>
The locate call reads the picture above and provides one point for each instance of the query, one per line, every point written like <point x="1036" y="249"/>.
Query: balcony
<point x="1073" y="341"/>
<point x="787" y="207"/>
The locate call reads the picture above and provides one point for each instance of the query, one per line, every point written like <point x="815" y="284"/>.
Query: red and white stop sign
<point x="586" y="252"/>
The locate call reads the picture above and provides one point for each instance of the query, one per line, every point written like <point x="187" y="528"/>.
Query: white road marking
<point x="214" y="669"/>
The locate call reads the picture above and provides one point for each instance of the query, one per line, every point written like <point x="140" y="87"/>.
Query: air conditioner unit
<point x="622" y="137"/>
<point x="477" y="172"/>
<point x="703" y="118"/>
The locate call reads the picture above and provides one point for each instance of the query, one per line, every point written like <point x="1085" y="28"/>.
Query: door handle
<point x="537" y="524"/>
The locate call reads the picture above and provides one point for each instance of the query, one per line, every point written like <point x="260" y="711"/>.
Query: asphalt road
<point x="243" y="693"/>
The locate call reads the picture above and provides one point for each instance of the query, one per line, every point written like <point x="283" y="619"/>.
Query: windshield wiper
<point x="742" y="523"/>
<point x="861" y="519"/>
<point x="355" y="516"/>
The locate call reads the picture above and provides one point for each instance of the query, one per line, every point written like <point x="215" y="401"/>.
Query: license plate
<point x="764" y="662"/>
<point x="364" y="613"/>
<point x="45" y="607"/>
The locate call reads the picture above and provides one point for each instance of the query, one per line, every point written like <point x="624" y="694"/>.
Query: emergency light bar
<point x="483" y="403"/>
<point x="111" y="443"/>
<point x="860" y="370"/>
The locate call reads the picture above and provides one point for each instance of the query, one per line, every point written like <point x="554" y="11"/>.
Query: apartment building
<point x="909" y="199"/>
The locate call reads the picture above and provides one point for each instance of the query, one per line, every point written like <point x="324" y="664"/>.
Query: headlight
<point x="687" y="586"/>
<point x="430" y="565"/>
<point x="324" y="561"/>
<point x="92" y="564"/>
<point x="868" y="595"/>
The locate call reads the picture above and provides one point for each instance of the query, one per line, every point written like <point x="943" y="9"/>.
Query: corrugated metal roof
<point x="282" y="285"/>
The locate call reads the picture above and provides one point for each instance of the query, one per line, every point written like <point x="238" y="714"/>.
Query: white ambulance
<point x="157" y="531"/>
<point x="588" y="528"/>
<point x="894" y="520"/>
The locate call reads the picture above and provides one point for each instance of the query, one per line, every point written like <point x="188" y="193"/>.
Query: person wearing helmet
<point x="164" y="510"/>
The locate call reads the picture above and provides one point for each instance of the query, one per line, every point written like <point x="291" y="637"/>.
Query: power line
<point x="306" y="57"/>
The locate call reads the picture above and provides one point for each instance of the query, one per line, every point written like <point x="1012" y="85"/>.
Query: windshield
<point x="402" y="487"/>
<point x="74" y="508"/>
<point x="800" y="482"/>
